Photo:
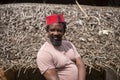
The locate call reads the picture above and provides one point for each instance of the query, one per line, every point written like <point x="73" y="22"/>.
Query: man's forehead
<point x="56" y="25"/>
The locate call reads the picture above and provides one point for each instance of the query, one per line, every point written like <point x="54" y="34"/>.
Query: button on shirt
<point x="62" y="59"/>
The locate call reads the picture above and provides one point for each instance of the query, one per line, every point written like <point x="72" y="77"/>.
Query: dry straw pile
<point x="95" y="31"/>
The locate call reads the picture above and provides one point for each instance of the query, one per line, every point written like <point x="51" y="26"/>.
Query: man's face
<point x="55" y="33"/>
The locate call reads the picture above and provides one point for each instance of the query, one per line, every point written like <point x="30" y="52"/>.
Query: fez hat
<point x="55" y="18"/>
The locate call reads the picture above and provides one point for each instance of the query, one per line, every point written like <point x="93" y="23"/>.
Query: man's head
<point x="55" y="28"/>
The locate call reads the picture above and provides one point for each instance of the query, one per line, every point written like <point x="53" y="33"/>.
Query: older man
<point x="58" y="59"/>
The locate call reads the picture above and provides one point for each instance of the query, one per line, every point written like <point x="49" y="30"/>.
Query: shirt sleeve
<point x="44" y="61"/>
<point x="75" y="51"/>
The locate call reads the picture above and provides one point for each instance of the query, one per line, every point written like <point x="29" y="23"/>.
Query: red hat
<point x="55" y="18"/>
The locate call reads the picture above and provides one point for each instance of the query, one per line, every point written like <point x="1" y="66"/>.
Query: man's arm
<point x="51" y="74"/>
<point x="81" y="68"/>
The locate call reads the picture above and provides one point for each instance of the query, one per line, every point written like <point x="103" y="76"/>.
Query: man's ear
<point x="47" y="35"/>
<point x="63" y="33"/>
<point x="47" y="28"/>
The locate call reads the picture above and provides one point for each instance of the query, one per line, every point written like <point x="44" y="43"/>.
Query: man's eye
<point x="59" y="30"/>
<point x="52" y="30"/>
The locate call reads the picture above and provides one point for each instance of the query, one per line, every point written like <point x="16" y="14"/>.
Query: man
<point x="58" y="59"/>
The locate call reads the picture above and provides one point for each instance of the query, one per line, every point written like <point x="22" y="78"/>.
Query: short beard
<point x="55" y="42"/>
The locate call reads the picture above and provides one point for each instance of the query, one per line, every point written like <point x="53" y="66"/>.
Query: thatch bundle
<point x="95" y="31"/>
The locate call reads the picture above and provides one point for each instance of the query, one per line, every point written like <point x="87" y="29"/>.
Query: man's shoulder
<point x="44" y="49"/>
<point x="65" y="42"/>
<point x="43" y="46"/>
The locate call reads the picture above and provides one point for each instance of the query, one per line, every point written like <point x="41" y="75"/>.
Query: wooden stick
<point x="81" y="8"/>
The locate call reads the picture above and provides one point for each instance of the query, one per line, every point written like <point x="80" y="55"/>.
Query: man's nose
<point x="56" y="32"/>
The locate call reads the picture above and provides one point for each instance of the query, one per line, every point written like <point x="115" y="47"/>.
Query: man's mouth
<point x="57" y="38"/>
<point x="56" y="41"/>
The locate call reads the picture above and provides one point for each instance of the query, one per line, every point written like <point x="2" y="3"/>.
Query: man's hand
<point x="51" y="74"/>
<point x="81" y="68"/>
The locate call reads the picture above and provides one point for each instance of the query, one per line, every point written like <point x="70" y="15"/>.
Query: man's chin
<point x="56" y="43"/>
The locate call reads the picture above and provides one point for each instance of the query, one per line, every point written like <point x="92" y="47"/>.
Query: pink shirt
<point x="62" y="59"/>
